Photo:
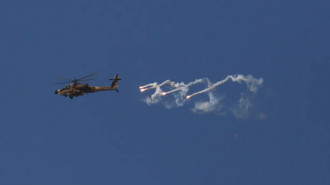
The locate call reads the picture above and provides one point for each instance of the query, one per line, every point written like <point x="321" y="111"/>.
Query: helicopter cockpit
<point x="66" y="87"/>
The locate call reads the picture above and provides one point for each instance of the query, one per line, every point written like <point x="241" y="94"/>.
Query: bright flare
<point x="164" y="93"/>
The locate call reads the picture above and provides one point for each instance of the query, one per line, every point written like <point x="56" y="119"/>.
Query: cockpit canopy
<point x="66" y="87"/>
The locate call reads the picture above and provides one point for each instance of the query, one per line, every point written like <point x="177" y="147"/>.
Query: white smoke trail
<point x="154" y="98"/>
<point x="208" y="106"/>
<point x="181" y="89"/>
<point x="154" y="85"/>
<point x="251" y="82"/>
<point x="243" y="107"/>
<point x="181" y="86"/>
<point x="180" y="97"/>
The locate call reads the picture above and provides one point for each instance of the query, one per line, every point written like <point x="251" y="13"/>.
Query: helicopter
<point x="75" y="88"/>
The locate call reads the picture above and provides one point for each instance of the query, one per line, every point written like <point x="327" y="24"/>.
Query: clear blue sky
<point x="115" y="138"/>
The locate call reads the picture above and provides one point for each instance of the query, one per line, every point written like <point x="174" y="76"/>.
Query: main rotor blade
<point x="85" y="80"/>
<point x="63" y="78"/>
<point x="88" y="76"/>
<point x="62" y="83"/>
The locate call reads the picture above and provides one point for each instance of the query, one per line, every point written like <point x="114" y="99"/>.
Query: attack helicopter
<point x="75" y="88"/>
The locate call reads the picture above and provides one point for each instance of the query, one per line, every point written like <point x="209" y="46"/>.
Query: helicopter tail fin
<point x="114" y="82"/>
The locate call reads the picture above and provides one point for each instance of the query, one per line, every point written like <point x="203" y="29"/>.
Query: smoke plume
<point x="180" y="90"/>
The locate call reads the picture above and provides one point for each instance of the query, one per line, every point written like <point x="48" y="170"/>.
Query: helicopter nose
<point x="55" y="91"/>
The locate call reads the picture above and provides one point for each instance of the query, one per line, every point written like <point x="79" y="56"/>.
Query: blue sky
<point x="115" y="138"/>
